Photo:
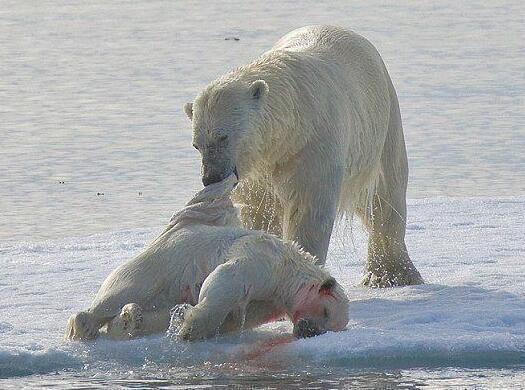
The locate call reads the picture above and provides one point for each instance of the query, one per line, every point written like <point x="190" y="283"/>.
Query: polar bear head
<point x="320" y="307"/>
<point x="225" y="120"/>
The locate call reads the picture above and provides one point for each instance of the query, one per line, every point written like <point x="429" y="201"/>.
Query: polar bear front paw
<point x="81" y="326"/>
<point x="387" y="279"/>
<point x="127" y="324"/>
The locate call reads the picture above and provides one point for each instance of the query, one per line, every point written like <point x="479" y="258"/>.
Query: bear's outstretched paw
<point x="81" y="326"/>
<point x="377" y="279"/>
<point x="127" y="324"/>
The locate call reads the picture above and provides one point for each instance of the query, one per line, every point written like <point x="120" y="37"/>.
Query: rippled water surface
<point x="333" y="379"/>
<point x="93" y="139"/>
<point x="91" y="95"/>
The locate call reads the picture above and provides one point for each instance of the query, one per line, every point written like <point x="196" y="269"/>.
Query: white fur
<point x="249" y="278"/>
<point x="264" y="279"/>
<point x="322" y="136"/>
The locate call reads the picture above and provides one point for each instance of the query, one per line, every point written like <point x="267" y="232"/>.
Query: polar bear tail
<point x="82" y="326"/>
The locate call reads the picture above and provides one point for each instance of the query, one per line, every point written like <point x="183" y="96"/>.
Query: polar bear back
<point x="328" y="42"/>
<point x="341" y="94"/>
<point x="170" y="271"/>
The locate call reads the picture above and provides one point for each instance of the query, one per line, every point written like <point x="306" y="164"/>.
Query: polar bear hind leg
<point x="384" y="214"/>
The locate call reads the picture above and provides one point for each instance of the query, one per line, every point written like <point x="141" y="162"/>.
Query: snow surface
<point x="470" y="313"/>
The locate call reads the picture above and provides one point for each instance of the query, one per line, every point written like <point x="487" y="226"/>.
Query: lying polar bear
<point x="236" y="278"/>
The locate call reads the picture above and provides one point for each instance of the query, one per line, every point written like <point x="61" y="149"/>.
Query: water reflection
<point x="341" y="379"/>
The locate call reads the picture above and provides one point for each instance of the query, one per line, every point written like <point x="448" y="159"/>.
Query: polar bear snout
<point x="307" y="328"/>
<point x="217" y="163"/>
<point x="211" y="175"/>
<point x="320" y="308"/>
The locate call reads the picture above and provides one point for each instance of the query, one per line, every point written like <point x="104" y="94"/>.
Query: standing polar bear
<point x="235" y="278"/>
<point x="313" y="130"/>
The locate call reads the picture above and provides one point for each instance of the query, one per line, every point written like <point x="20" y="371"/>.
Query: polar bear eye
<point x="220" y="135"/>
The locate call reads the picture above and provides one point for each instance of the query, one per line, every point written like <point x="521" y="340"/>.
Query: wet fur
<point x="234" y="277"/>
<point x="322" y="138"/>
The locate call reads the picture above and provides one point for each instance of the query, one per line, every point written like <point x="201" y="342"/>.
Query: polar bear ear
<point x="258" y="90"/>
<point x="188" y="109"/>
<point x="327" y="286"/>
